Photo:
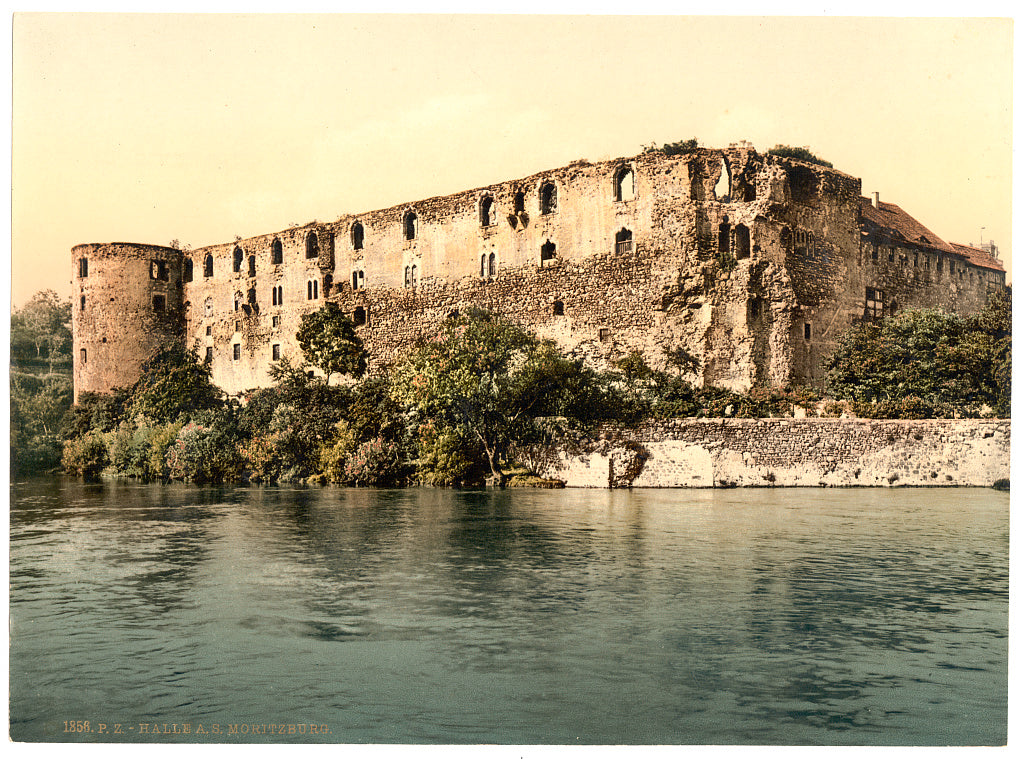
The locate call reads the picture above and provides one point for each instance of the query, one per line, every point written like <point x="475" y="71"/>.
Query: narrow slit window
<point x="276" y="252"/>
<point x="83" y="267"/>
<point x="236" y="351"/>
<point x="208" y="265"/>
<point x="187" y="274"/>
<point x="236" y="263"/>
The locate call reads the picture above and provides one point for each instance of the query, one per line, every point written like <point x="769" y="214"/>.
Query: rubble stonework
<point x="786" y="453"/>
<point x="752" y="264"/>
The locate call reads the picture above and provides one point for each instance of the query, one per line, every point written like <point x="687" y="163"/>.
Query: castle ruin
<point x="748" y="264"/>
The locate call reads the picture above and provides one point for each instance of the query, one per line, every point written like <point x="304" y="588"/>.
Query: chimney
<point x="874" y="201"/>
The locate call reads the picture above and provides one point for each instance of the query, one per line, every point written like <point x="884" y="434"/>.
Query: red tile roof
<point x="978" y="257"/>
<point x="902" y="226"/>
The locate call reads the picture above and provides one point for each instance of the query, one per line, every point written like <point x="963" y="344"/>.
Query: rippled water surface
<point x="431" y="616"/>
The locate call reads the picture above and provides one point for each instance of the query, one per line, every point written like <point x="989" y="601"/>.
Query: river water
<point x="790" y="616"/>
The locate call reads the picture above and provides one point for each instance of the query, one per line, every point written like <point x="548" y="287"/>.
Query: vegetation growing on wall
<point x="800" y="154"/>
<point x="674" y="148"/>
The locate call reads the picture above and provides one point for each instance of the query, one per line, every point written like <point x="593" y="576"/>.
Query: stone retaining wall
<point x="788" y="453"/>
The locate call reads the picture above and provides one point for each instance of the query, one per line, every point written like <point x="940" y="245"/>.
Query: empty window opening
<point x="208" y="265"/>
<point x="159" y="302"/>
<point x="874" y="303"/>
<point x="754" y="308"/>
<point x="187" y="274"/>
<point x="312" y="246"/>
<point x="409" y="225"/>
<point x="742" y="236"/>
<point x="208" y="307"/>
<point x="328" y="283"/>
<point x="237" y="302"/>
<point x="83" y="267"/>
<point x="486" y="206"/>
<point x="483" y="265"/>
<point x="548" y="198"/>
<point x="413" y="275"/>
<point x="519" y="203"/>
<point x="604" y="334"/>
<point x="874" y="253"/>
<point x="786" y="239"/>
<point x="623" y="241"/>
<point x="312" y="289"/>
<point x="359" y="316"/>
<point x="357" y="236"/>
<point x="358" y="279"/>
<point x="558" y="308"/>
<point x="892" y="255"/>
<point x="209" y="355"/>
<point x="238" y="326"/>
<point x="276" y="252"/>
<point x="408" y="281"/>
<point x="209" y="330"/>
<point x="252" y="266"/>
<point x="275" y="321"/>
<point x="547" y="252"/>
<point x="82" y="356"/>
<point x="158" y="270"/>
<point x="624" y="186"/>
<point x="251" y="296"/>
<point x="236" y="263"/>
<point x="492" y="265"/>
<point x="807" y="330"/>
<point x="275" y="352"/>
<point x="236" y="351"/>
<point x="915" y="260"/>
<point x="82" y="306"/>
<point x="803" y="184"/>
<point x="723" y="187"/>
<point x="723" y="237"/>
<point x="104" y="340"/>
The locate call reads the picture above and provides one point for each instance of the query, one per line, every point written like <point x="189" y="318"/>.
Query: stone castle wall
<point x="787" y="452"/>
<point x="752" y="264"/>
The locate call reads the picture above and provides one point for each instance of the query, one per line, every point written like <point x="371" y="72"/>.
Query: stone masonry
<point x="751" y="264"/>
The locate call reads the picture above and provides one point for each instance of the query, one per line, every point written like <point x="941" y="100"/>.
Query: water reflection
<point x="553" y="617"/>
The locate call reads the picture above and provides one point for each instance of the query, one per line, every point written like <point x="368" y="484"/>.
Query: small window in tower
<point x="407" y="280"/>
<point x="236" y="351"/>
<point x="519" y="203"/>
<point x="252" y="266"/>
<point x="874" y="253"/>
<point x="357" y="236"/>
<point x="409" y="225"/>
<point x="486" y="207"/>
<point x="312" y="246"/>
<point x="209" y="354"/>
<point x="208" y="265"/>
<point x="82" y="356"/>
<point x="723" y="237"/>
<point x="275" y="321"/>
<point x="159" y="302"/>
<point x="547" y="252"/>
<point x="492" y="265"/>
<point x="742" y="237"/>
<point x="209" y="330"/>
<point x="892" y="255"/>
<point x="187" y="274"/>
<point x="82" y="308"/>
<point x="548" y="198"/>
<point x="238" y="326"/>
<point x="208" y="307"/>
<point x="251" y="296"/>
<point x="359" y="316"/>
<point x="236" y="264"/>
<point x="83" y="267"/>
<point x="558" y="308"/>
<point x="328" y="281"/>
<point x="275" y="352"/>
<point x="807" y="330"/>
<point x="623" y="241"/>
<point x="158" y="270"/>
<point x="604" y="334"/>
<point x="413" y="275"/>
<point x="483" y="265"/>
<point x="624" y="189"/>
<point x="276" y="252"/>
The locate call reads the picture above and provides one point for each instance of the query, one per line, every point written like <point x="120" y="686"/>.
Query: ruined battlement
<point x="751" y="263"/>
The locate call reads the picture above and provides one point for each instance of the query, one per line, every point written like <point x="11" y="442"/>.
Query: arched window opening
<point x="309" y="291"/>
<point x="251" y="296"/>
<point x="492" y="265"/>
<point x="187" y="274"/>
<point x="312" y="246"/>
<point x="238" y="301"/>
<point x="723" y="237"/>
<point x="558" y="308"/>
<point x="275" y="352"/>
<point x="83" y="267"/>
<point x="316" y="289"/>
<point x="409" y="225"/>
<point x="159" y="303"/>
<point x="359" y="316"/>
<point x="252" y="266"/>
<point x="624" y="186"/>
<point x="413" y="275"/>
<point x="723" y="187"/>
<point x="547" y="252"/>
<point x="357" y="236"/>
<point x="483" y="265"/>
<point x="277" y="252"/>
<point x="519" y="203"/>
<point x="742" y="235"/>
<point x="548" y="198"/>
<point x="82" y="356"/>
<point x="408" y="282"/>
<point x="208" y="266"/>
<point x="273" y="296"/>
<point x="486" y="205"/>
<point x="236" y="265"/>
<point x="623" y="241"/>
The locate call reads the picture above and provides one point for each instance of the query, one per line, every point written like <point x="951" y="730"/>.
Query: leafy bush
<point x="85" y="456"/>
<point x="375" y="462"/>
<point x="335" y="455"/>
<point x="202" y="454"/>
<point x="801" y="154"/>
<point x="445" y="457"/>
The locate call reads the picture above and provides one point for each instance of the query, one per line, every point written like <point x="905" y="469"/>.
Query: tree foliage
<point x="173" y="383"/>
<point x="329" y="342"/>
<point x="800" y="154"/>
<point x="41" y="329"/>
<point x="945" y="362"/>
<point x="674" y="148"/>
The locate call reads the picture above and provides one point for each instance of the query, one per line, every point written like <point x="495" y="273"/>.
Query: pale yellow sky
<point x="147" y="128"/>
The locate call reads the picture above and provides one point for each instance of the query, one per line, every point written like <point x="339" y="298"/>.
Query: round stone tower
<point x="126" y="302"/>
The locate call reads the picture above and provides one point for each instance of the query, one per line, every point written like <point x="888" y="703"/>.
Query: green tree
<point x="801" y="154"/>
<point x="329" y="342"/>
<point x="173" y="383"/>
<point x="487" y="379"/>
<point x="42" y="325"/>
<point x="673" y="148"/>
